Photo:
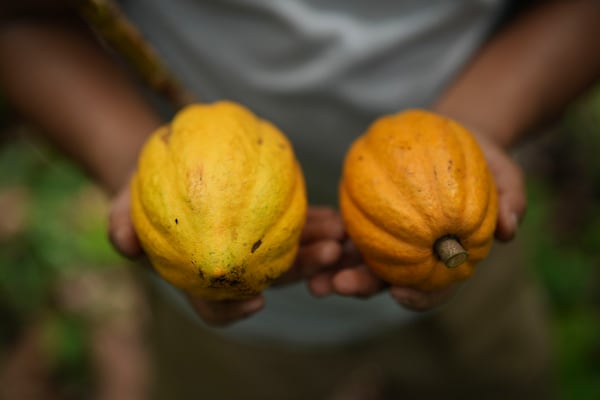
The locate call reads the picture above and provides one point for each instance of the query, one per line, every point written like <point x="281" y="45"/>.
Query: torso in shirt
<point x="322" y="70"/>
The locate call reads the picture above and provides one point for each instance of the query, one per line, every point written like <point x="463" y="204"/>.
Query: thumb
<point x="120" y="227"/>
<point x="510" y="184"/>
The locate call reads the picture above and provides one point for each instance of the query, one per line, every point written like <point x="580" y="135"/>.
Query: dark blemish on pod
<point x="176" y="221"/>
<point x="256" y="245"/>
<point x="233" y="278"/>
<point x="219" y="279"/>
<point x="269" y="279"/>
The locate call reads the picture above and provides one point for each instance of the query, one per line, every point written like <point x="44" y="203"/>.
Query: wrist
<point x="118" y="152"/>
<point x="485" y="127"/>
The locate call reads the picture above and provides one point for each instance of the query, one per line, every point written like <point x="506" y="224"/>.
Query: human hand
<point x="354" y="278"/>
<point x="320" y="248"/>
<point x="124" y="239"/>
<point x="510" y="186"/>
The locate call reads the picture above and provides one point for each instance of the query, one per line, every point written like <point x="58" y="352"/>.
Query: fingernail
<point x="330" y="253"/>
<point x="122" y="235"/>
<point x="320" y="285"/>
<point x="513" y="226"/>
<point x="253" y="305"/>
<point x="514" y="220"/>
<point x="117" y="237"/>
<point x="404" y="301"/>
<point x="404" y="296"/>
<point x="127" y="243"/>
<point x="398" y="294"/>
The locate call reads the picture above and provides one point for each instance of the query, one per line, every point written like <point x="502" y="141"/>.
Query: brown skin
<point x="521" y="79"/>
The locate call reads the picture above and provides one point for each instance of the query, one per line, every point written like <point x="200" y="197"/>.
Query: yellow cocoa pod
<point x="219" y="201"/>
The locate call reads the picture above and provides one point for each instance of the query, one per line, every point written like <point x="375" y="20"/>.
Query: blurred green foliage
<point x="66" y="341"/>
<point x="569" y="275"/>
<point x="59" y="233"/>
<point x="63" y="233"/>
<point x="562" y="230"/>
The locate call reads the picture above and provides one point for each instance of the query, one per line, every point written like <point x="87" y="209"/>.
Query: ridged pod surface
<point x="418" y="200"/>
<point x="218" y="201"/>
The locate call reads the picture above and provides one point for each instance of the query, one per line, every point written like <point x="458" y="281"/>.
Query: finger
<point x="321" y="285"/>
<point x="358" y="281"/>
<point x="510" y="184"/>
<point x="223" y="313"/>
<point x="316" y="256"/>
<point x="120" y="227"/>
<point x="322" y="223"/>
<point x="318" y="212"/>
<point x="512" y="202"/>
<point x="313" y="258"/>
<point x="350" y="257"/>
<point x="418" y="300"/>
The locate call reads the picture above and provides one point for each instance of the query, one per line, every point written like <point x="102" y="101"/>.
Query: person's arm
<point x="524" y="77"/>
<point x="54" y="73"/>
<point x="529" y="72"/>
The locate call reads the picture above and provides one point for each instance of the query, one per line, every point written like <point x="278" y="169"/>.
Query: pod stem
<point x="450" y="251"/>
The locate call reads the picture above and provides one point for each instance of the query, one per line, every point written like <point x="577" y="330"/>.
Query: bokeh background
<point x="72" y="316"/>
